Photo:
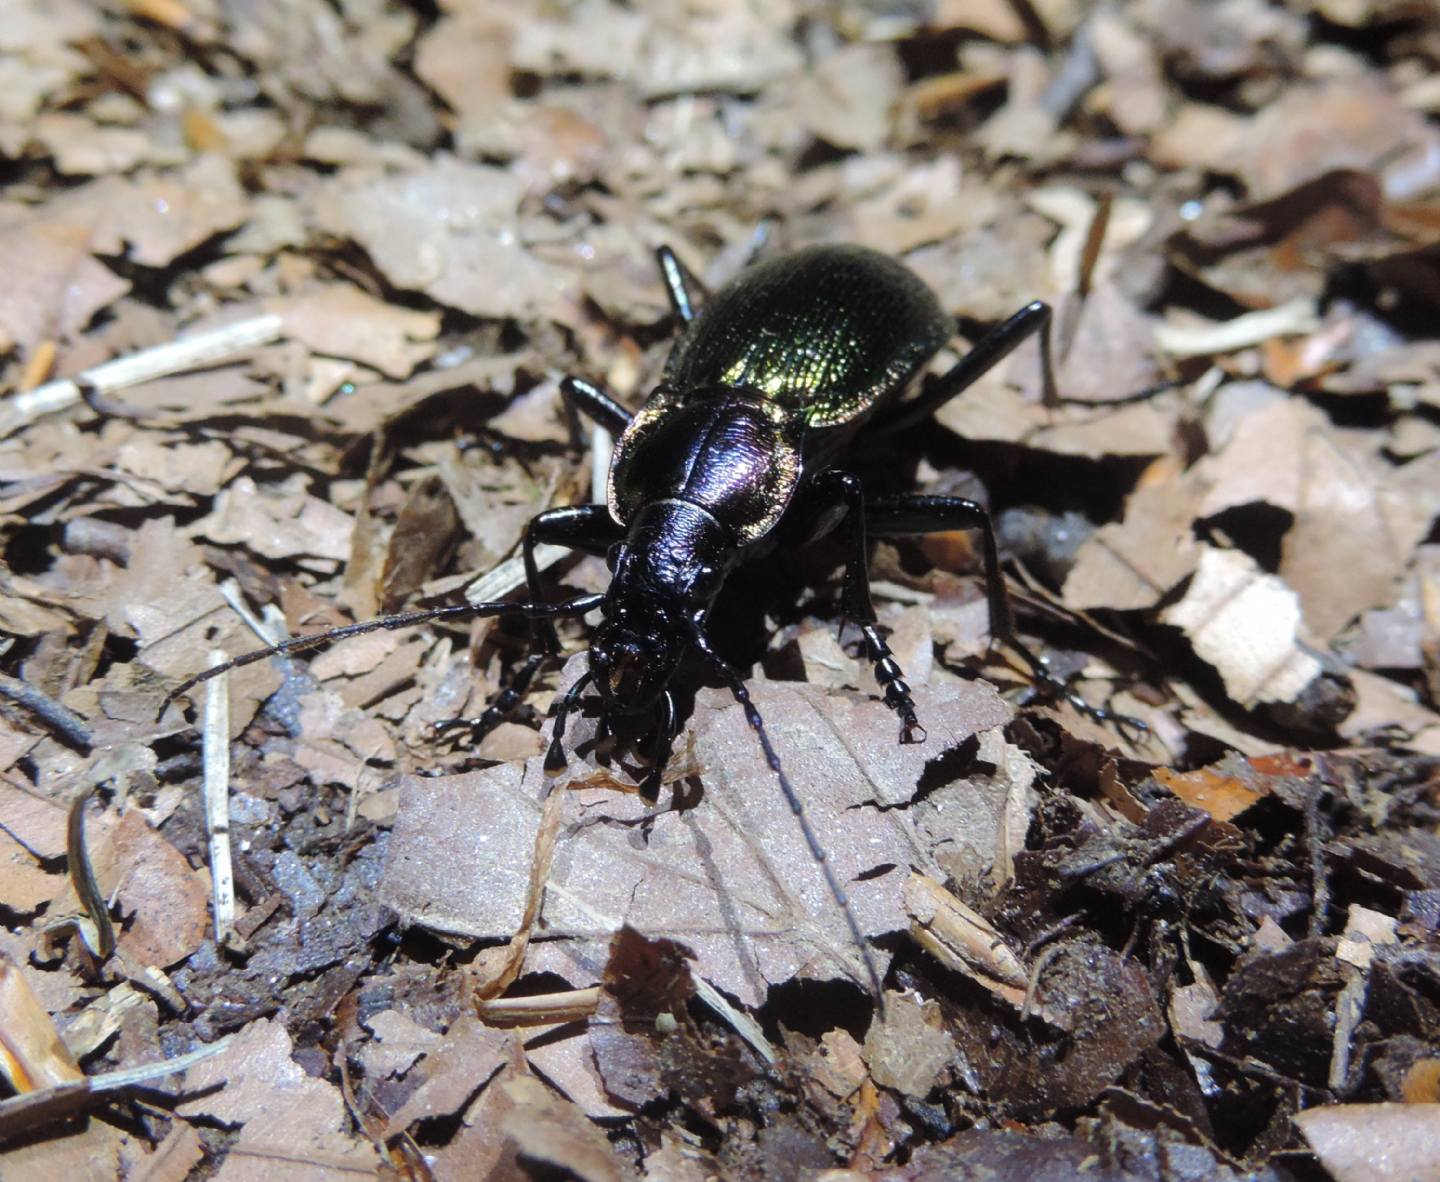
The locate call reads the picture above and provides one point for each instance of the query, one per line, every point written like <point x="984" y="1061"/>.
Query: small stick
<point x="510" y="574"/>
<point x="215" y="787"/>
<point x="186" y="353"/>
<point x="82" y="877"/>
<point x="538" y="1009"/>
<point x="68" y="725"/>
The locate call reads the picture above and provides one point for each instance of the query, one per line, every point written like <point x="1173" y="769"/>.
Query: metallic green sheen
<point x="825" y="332"/>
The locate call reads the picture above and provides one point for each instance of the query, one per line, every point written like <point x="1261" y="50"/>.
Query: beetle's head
<point x="665" y="575"/>
<point x="633" y="658"/>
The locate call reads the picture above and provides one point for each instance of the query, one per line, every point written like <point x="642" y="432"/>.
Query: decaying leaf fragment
<point x="1245" y="623"/>
<point x="1375" y="1142"/>
<point x="32" y="1053"/>
<point x="908" y="1049"/>
<point x="962" y="939"/>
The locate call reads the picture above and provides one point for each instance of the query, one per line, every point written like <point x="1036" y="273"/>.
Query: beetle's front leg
<point x="589" y="528"/>
<point x="837" y="489"/>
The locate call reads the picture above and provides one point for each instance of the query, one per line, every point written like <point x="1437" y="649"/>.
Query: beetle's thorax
<point x="730" y="453"/>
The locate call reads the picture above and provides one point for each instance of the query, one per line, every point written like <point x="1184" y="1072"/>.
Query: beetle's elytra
<point x="739" y="448"/>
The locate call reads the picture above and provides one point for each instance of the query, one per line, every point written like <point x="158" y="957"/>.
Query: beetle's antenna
<point x="797" y="806"/>
<point x="578" y="606"/>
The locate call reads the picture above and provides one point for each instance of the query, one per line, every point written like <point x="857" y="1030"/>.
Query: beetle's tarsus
<point x="1055" y="686"/>
<point x="894" y="689"/>
<point x="555" y="757"/>
<point x="912" y="731"/>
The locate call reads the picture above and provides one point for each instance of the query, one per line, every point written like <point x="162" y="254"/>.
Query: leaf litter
<point x="1207" y="951"/>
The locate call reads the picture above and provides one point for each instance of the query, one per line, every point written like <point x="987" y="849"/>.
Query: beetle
<point x="737" y="450"/>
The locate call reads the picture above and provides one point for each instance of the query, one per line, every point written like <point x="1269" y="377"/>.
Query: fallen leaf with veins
<point x="730" y="877"/>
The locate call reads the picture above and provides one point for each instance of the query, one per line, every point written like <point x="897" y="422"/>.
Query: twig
<point x="61" y="719"/>
<point x="191" y="352"/>
<point x="82" y="876"/>
<point x="601" y="449"/>
<point x="215" y="748"/>
<point x="538" y="1009"/>
<point x="510" y="574"/>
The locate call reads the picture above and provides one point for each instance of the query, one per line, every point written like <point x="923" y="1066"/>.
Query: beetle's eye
<point x="705" y="583"/>
<point x="612" y="555"/>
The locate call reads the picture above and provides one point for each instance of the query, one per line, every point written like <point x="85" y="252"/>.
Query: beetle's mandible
<point x="739" y="448"/>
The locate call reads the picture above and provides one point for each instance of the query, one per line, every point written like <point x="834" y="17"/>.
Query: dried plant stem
<point x="177" y="356"/>
<point x="215" y="745"/>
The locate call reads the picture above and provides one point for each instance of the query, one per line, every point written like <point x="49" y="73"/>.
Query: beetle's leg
<point x="678" y="282"/>
<point x="578" y="606"/>
<point x="900" y="515"/>
<point x="834" y="488"/>
<point x="596" y="405"/>
<point x="581" y="527"/>
<point x="555" y="754"/>
<point x="988" y="352"/>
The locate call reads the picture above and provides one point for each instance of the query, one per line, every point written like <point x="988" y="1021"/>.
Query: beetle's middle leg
<point x="896" y="516"/>
<point x="588" y="528"/>
<point x="836" y="489"/>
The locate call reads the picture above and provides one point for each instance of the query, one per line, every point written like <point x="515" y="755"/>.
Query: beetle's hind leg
<point x="988" y="352"/>
<point x="589" y="528"/>
<point x="907" y="515"/>
<point x="835" y="488"/>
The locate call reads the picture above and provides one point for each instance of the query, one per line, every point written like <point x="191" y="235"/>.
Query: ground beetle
<point x="736" y="450"/>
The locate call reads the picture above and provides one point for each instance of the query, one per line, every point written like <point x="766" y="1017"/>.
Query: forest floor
<point x="320" y="267"/>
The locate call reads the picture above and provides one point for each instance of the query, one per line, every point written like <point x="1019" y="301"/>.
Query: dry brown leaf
<point x="399" y="1040"/>
<point x="1364" y="930"/>
<point x="1351" y="123"/>
<point x="1129" y="60"/>
<point x="1222" y="796"/>
<point x="459" y="857"/>
<point x="449" y="230"/>
<point x="292" y="1125"/>
<point x="1375" y="1142"/>
<point x="1201" y="136"/>
<point x="908" y="1048"/>
<point x="53" y="287"/>
<point x="82" y="147"/>
<point x="452" y="1071"/>
<point x="1136" y="562"/>
<point x="465" y="58"/>
<point x="343" y="321"/>
<point x="174" y="1158"/>
<point x="154" y="219"/>
<point x="33" y="1056"/>
<point x="1246" y="624"/>
<point x="1350" y="513"/>
<point x="1193" y="1009"/>
<point x="91" y="1154"/>
<point x="164" y="900"/>
<point x="1110" y="355"/>
<point x="552" y="1130"/>
<point x="280" y="521"/>
<point x="1385" y="705"/>
<point x="847" y="99"/>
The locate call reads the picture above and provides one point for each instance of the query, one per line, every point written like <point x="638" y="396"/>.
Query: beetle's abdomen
<point x="731" y="454"/>
<point x="824" y="332"/>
